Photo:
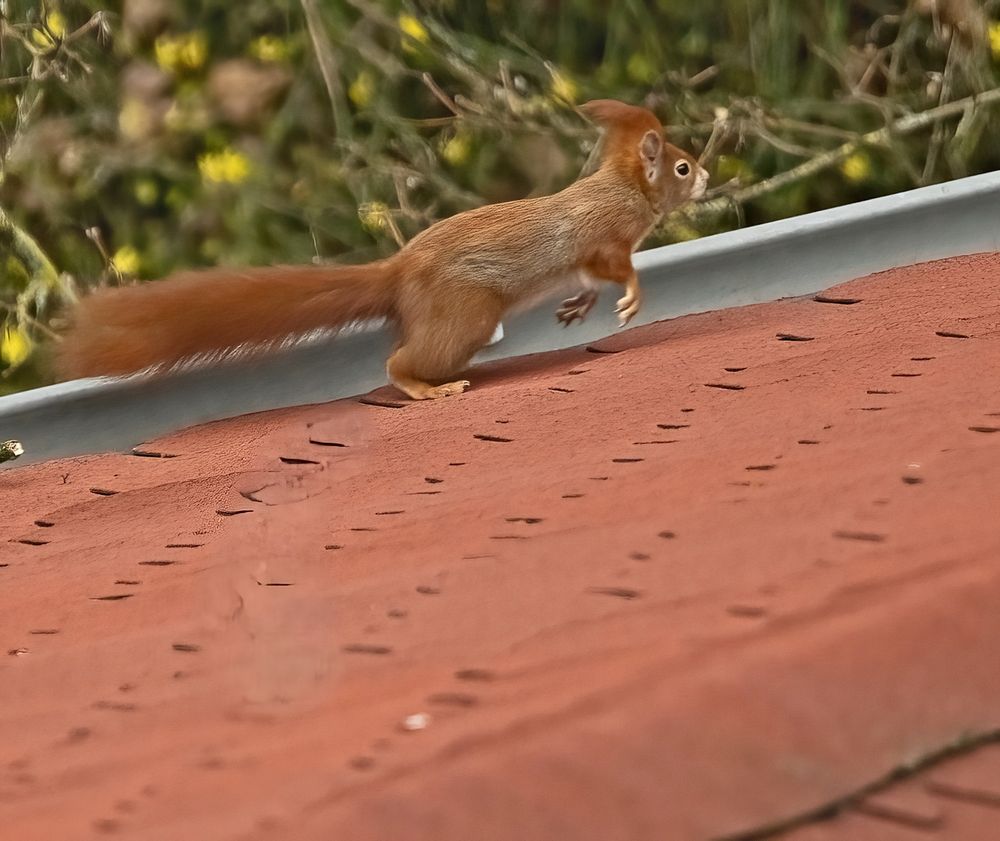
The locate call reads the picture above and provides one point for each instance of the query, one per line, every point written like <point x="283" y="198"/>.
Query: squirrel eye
<point x="683" y="169"/>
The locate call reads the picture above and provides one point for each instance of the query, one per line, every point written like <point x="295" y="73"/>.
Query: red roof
<point x="698" y="580"/>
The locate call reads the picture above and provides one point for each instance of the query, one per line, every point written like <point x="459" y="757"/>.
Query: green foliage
<point x="177" y="133"/>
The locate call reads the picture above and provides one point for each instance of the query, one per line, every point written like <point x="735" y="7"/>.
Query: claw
<point x="576" y="307"/>
<point x="628" y="305"/>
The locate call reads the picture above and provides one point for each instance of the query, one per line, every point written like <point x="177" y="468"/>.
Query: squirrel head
<point x="635" y="144"/>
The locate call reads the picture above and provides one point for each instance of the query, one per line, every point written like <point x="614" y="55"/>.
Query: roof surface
<point x="706" y="578"/>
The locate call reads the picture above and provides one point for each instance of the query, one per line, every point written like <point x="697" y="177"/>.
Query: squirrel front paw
<point x="628" y="305"/>
<point x="576" y="307"/>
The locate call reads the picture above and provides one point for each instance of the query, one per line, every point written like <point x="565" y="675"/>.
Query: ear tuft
<point x="649" y="154"/>
<point x="606" y="112"/>
<point x="627" y="129"/>
<point x="610" y="113"/>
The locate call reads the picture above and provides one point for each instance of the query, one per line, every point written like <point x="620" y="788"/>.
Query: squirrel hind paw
<point x="447" y="390"/>
<point x="422" y="391"/>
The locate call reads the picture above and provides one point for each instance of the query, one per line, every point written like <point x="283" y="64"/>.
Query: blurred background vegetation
<point x="143" y="136"/>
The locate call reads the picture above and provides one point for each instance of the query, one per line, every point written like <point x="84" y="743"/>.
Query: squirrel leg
<point x="616" y="267"/>
<point x="400" y="370"/>
<point x="628" y="305"/>
<point x="431" y="353"/>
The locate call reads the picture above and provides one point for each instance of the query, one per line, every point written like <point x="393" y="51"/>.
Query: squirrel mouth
<point x="701" y="184"/>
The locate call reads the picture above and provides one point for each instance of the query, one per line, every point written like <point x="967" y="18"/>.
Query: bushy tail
<point x="123" y="330"/>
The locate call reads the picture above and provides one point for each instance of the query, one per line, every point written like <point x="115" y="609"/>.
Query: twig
<point x="937" y="138"/>
<point x="35" y="324"/>
<point x="789" y="124"/>
<point x="374" y="13"/>
<point x="15" y="32"/>
<point x="902" y="126"/>
<point x="25" y="249"/>
<point x="702" y="76"/>
<point x="720" y="128"/>
<point x="403" y="198"/>
<point x="94" y="235"/>
<point x="99" y="20"/>
<point x="780" y="144"/>
<point x="327" y="66"/>
<point x="440" y="95"/>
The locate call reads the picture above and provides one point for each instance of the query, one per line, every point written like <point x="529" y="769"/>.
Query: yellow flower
<point x="178" y="53"/>
<point x="412" y="27"/>
<point x="640" y="68"/>
<point x="56" y="24"/>
<point x="269" y="48"/>
<point x="146" y="191"/>
<point x="373" y="216"/>
<point x="211" y="249"/>
<point x="563" y="87"/>
<point x="856" y="168"/>
<point x="15" y="346"/>
<point x="362" y="89"/>
<point x="728" y="167"/>
<point x="8" y="106"/>
<point x="225" y="167"/>
<point x="127" y="260"/>
<point x="456" y="149"/>
<point x="995" y="39"/>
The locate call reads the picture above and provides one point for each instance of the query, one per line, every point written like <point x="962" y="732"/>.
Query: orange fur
<point x="445" y="291"/>
<point x="119" y="331"/>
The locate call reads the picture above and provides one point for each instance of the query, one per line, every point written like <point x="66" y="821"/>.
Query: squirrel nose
<point x="701" y="182"/>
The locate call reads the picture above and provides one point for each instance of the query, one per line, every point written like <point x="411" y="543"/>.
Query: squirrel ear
<point x="649" y="153"/>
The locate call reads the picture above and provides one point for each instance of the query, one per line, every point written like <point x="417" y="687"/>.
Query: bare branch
<point x="904" y="125"/>
<point x="328" y="66"/>
<point x="440" y="95"/>
<point x="22" y="246"/>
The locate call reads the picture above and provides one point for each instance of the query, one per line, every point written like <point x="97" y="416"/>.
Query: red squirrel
<point x="445" y="291"/>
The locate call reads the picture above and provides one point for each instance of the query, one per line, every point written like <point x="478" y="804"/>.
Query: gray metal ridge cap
<point x="795" y="256"/>
<point x="35" y="397"/>
<point x="88" y="386"/>
<point x="866" y="212"/>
